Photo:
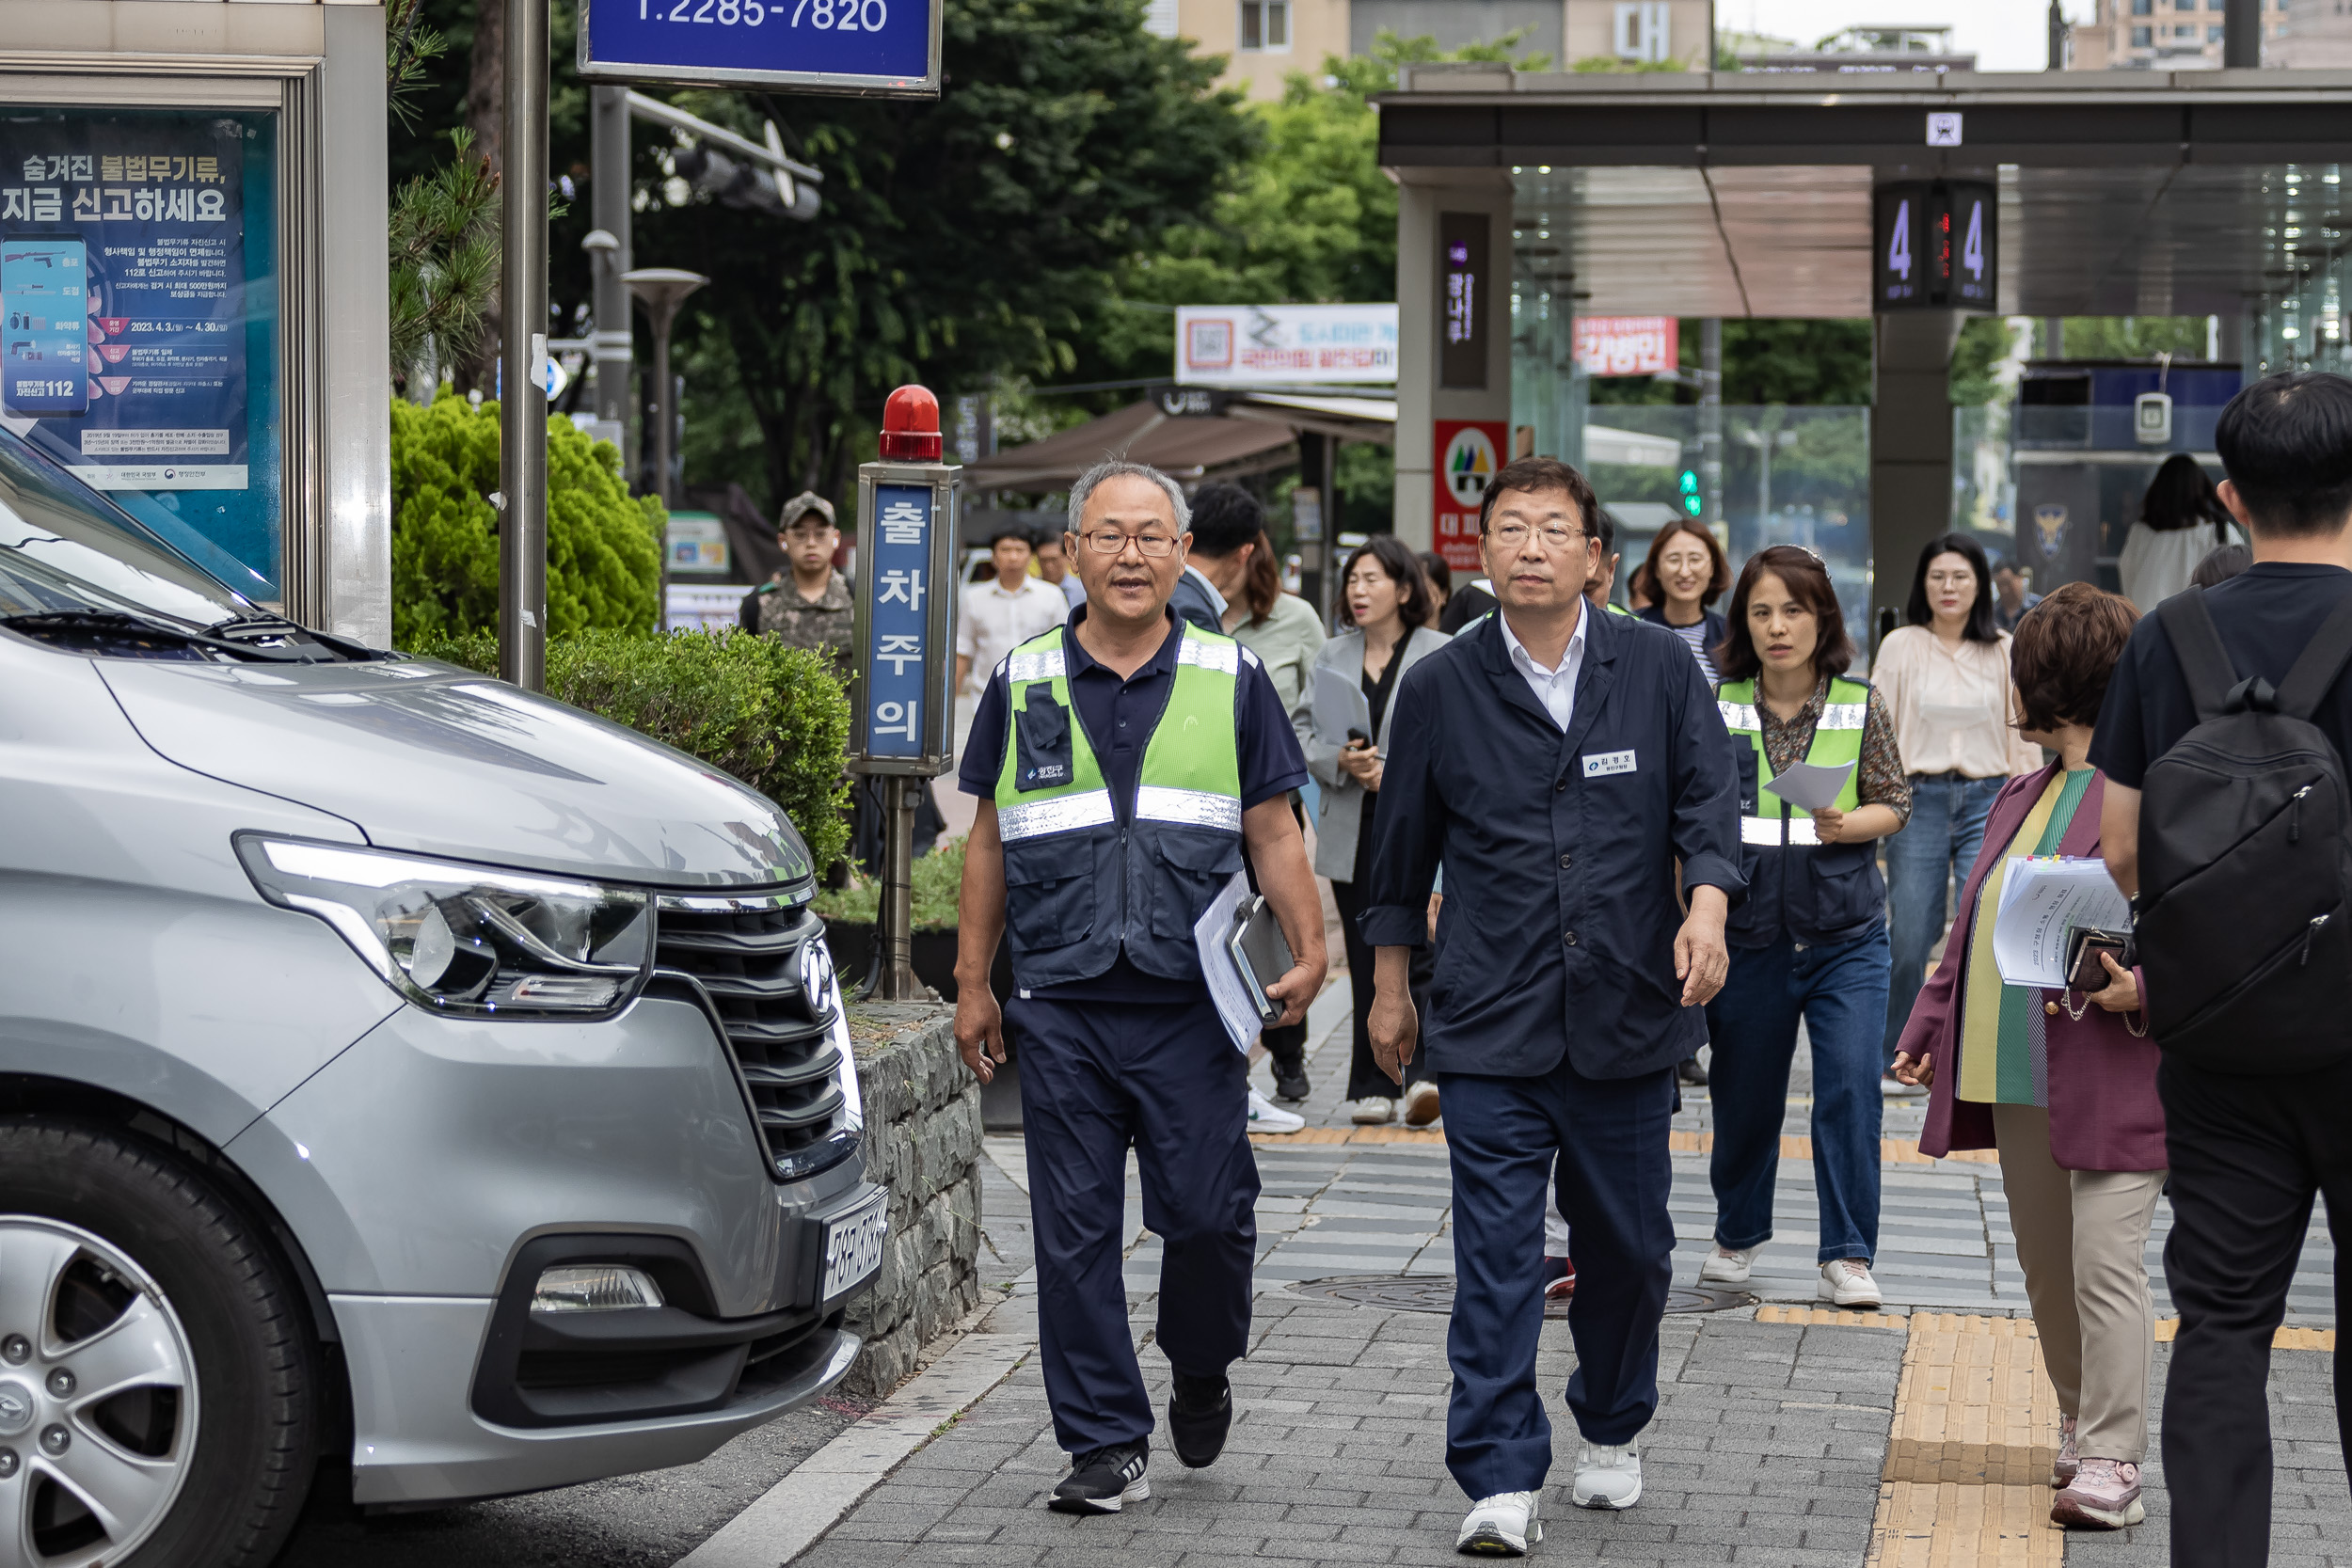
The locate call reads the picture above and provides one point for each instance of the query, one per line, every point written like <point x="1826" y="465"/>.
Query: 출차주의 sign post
<point x="867" y="48"/>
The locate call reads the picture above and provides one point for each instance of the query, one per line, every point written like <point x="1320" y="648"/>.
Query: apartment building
<point x="2186" y="35"/>
<point x="1264" y="40"/>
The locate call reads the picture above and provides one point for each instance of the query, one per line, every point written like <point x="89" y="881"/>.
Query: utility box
<point x="193" y="280"/>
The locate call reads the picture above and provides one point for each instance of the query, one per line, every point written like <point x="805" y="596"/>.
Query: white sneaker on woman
<point x="1847" y="1282"/>
<point x="1266" y="1117"/>
<point x="1372" y="1111"/>
<point x="1608" y="1475"/>
<point x="1728" y="1265"/>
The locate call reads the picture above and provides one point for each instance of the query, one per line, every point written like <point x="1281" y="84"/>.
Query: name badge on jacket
<point x="1599" y="765"/>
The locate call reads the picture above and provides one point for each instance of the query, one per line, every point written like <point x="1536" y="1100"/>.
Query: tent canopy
<point x="1246" y="434"/>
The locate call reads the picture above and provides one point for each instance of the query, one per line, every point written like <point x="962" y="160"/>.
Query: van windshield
<point x="77" y="571"/>
<point x="63" y="546"/>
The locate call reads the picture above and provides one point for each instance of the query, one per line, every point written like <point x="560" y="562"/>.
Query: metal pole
<point x="1711" y="417"/>
<point x="610" y="176"/>
<point x="2242" y="34"/>
<point x="2058" y="37"/>
<point x="896" y="915"/>
<point x="665" y="417"/>
<point x="523" y="346"/>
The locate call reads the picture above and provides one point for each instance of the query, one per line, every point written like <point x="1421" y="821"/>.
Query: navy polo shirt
<point x="1119" y="715"/>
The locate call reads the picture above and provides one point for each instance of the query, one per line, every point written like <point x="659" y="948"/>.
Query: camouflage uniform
<point x="775" y="609"/>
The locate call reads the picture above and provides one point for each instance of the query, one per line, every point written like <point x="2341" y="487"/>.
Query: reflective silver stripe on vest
<point x="1737" y="716"/>
<point x="1062" y="815"/>
<point x="1222" y="656"/>
<point x="1035" y="667"/>
<point x="1766" y="831"/>
<point x="1842" y="716"/>
<point x="1196" y="808"/>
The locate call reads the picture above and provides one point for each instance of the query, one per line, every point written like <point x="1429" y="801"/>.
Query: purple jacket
<point x="2103" y="1113"/>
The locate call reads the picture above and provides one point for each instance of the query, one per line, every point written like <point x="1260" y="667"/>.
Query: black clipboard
<point x="1261" y="953"/>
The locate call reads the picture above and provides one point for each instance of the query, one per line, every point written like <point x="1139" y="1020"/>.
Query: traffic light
<point x="1692" y="504"/>
<point x="733" y="183"/>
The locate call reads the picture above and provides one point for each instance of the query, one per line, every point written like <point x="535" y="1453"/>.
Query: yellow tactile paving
<point x="1965" y="1483"/>
<point x="2284" y="1338"/>
<point x="1353" y="1135"/>
<point x="1898" y="1151"/>
<point x="1830" y="1316"/>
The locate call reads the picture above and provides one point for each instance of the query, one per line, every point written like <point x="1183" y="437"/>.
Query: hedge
<point x="774" y="716"/>
<point x="938" y="884"/>
<point x="604" y="556"/>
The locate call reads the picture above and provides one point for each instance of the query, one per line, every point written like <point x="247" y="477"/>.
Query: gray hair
<point x="1119" y="468"/>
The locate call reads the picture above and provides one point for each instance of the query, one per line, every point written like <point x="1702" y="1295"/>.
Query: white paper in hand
<point x="2041" y="900"/>
<point x="1810" y="786"/>
<point x="1210" y="934"/>
<point x="1339" y="706"/>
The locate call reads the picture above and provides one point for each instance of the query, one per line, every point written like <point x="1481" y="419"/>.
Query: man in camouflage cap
<point x="807" y="604"/>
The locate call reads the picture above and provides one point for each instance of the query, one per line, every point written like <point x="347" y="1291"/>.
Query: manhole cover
<point x="1433" y="1292"/>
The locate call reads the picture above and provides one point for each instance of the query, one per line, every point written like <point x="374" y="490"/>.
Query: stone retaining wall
<point x="922" y="1141"/>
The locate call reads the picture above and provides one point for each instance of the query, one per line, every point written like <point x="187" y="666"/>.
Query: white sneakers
<point x="1847" y="1282"/>
<point x="1499" y="1525"/>
<point x="1372" y="1111"/>
<point x="1420" y="1103"/>
<point x="1728" y="1265"/>
<point x="1608" y="1475"/>
<point x="1266" y="1117"/>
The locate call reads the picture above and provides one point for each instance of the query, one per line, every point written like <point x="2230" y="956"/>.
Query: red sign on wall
<point x="1469" y="453"/>
<point x="1628" y="345"/>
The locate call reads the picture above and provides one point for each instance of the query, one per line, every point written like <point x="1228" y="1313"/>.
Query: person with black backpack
<point x="2228" y="820"/>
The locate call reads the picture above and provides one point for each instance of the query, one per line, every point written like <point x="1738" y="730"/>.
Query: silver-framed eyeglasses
<point x="1111" y="541"/>
<point x="1511" y="535"/>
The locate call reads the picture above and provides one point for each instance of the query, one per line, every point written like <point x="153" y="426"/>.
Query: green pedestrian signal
<point x="1691" y="503"/>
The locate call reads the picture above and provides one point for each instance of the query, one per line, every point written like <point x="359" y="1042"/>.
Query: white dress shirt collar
<point x="1554" y="688"/>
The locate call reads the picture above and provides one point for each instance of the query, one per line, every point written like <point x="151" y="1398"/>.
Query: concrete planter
<point x="922" y="1142"/>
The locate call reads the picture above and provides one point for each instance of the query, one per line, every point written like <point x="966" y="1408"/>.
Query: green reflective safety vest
<point x="1798" y="887"/>
<point x="1081" y="877"/>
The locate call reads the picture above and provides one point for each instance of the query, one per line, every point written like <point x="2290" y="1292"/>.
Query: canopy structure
<point x="1210" y="434"/>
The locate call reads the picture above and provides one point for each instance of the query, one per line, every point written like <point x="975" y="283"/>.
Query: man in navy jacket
<point x="1567" y="767"/>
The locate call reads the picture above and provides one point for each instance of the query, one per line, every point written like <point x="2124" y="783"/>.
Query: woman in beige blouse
<point x="1946" y="676"/>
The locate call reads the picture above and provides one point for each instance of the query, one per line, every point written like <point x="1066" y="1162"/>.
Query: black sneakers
<point x="1200" y="1413"/>
<point x="1101" y="1481"/>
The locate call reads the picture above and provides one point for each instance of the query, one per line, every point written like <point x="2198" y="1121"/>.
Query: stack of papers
<point x="2041" y="900"/>
<point x="1809" y="786"/>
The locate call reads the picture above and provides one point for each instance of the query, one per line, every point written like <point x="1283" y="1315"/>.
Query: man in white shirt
<point x="997" y="616"/>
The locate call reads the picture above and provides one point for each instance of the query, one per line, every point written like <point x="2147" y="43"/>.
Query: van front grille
<point x="751" y="960"/>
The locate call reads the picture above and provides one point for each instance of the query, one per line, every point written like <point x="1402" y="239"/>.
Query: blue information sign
<point x="882" y="48"/>
<point x="903" y="626"/>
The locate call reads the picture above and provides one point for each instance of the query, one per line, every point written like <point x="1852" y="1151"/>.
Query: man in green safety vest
<point x="1128" y="765"/>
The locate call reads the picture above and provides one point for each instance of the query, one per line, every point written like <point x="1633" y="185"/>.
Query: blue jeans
<point x="1925" y="864"/>
<point x="1840" y="992"/>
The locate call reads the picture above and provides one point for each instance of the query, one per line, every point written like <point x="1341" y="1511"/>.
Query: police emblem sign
<point x="902" y="711"/>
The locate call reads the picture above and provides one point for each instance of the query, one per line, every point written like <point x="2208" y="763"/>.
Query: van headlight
<point x="466" y="939"/>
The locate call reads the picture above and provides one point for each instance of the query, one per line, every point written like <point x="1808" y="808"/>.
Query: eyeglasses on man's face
<point x="1510" y="536"/>
<point x="1111" y="541"/>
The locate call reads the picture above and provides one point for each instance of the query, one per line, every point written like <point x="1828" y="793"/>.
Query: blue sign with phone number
<point x="863" y="46"/>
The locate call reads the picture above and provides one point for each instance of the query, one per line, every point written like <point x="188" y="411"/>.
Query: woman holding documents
<point x="2059" y="1078"/>
<point x="1820" y="781"/>
<point x="1385" y="601"/>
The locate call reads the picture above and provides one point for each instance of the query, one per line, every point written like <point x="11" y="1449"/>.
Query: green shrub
<point x="938" y="882"/>
<point x="604" y="559"/>
<point x="774" y="716"/>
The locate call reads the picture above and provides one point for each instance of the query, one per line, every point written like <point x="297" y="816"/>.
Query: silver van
<point x="391" y="1062"/>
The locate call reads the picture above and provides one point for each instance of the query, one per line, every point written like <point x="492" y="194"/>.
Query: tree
<point x="959" y="240"/>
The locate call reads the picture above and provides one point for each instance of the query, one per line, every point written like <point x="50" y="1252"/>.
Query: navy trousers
<point x="1098" y="1078"/>
<point x="1502" y="1136"/>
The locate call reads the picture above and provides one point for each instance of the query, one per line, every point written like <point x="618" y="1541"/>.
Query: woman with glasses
<point x="1687" y="573"/>
<point x="1383" y="600"/>
<point x="1809" y="941"/>
<point x="1945" y="679"/>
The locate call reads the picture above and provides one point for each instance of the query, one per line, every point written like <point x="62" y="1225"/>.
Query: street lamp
<point x="660" y="291"/>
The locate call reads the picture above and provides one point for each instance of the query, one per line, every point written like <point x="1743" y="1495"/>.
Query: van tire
<point x="255" y="1359"/>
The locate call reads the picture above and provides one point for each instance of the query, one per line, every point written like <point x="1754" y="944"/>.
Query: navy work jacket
<point x="1557" y="932"/>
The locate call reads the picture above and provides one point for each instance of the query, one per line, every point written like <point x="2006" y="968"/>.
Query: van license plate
<point x="853" y="1247"/>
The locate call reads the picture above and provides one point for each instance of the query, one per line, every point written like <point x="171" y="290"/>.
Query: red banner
<point x="1628" y="345"/>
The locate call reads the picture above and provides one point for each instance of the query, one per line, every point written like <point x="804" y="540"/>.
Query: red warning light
<point x="910" y="431"/>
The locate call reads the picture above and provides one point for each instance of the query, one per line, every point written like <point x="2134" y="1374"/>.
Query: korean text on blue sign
<point x="899" y="586"/>
<point x="870" y="45"/>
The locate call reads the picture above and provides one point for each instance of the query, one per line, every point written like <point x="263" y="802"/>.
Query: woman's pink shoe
<point x="2104" y="1495"/>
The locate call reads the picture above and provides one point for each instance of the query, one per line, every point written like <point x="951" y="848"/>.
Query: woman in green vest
<point x="1810" y="940"/>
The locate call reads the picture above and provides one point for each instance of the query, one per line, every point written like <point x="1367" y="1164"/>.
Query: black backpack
<point x="2246" y="861"/>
